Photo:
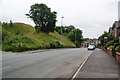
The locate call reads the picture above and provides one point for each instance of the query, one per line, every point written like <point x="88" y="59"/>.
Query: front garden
<point x="110" y="44"/>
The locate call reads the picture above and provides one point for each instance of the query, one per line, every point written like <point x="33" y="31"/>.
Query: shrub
<point x="117" y="48"/>
<point x="18" y="44"/>
<point x="56" y="45"/>
<point x="111" y="47"/>
<point x="116" y="40"/>
<point x="116" y="44"/>
<point x="113" y="50"/>
<point x="110" y="43"/>
<point x="59" y="45"/>
<point x="98" y="45"/>
<point x="52" y="45"/>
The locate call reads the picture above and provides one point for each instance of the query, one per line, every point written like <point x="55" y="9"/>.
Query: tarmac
<point x="99" y="66"/>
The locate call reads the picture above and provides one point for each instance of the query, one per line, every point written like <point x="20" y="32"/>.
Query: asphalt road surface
<point x="56" y="63"/>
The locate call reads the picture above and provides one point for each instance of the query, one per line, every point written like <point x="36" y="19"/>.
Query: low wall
<point x="118" y="57"/>
<point x="109" y="51"/>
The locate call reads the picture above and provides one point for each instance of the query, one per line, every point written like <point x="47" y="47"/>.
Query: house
<point x="90" y="42"/>
<point x="115" y="29"/>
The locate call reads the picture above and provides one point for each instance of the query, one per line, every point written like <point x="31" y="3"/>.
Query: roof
<point x="116" y="24"/>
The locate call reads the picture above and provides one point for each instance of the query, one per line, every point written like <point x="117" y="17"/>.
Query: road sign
<point x="105" y="39"/>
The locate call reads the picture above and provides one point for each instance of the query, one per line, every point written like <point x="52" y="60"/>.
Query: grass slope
<point x="22" y="37"/>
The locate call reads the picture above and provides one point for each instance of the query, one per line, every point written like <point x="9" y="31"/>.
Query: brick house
<point x="115" y="29"/>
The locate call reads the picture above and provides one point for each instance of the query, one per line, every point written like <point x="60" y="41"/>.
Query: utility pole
<point x="61" y="25"/>
<point x="75" y="37"/>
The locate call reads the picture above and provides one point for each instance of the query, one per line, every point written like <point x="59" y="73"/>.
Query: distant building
<point x="90" y="42"/>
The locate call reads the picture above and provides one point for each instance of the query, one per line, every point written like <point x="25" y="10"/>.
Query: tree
<point x="11" y="23"/>
<point x="76" y="36"/>
<point x="43" y="18"/>
<point x="66" y="30"/>
<point x="58" y="29"/>
<point x="4" y="24"/>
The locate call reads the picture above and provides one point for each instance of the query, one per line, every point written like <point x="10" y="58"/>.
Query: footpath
<point x="99" y="66"/>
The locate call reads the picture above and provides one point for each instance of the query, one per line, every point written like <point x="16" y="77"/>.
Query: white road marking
<point x="5" y="67"/>
<point x="80" y="67"/>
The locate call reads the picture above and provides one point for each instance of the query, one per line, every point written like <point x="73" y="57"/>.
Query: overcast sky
<point x="93" y="17"/>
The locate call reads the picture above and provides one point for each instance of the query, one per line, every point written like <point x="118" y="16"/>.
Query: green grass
<point x="21" y="28"/>
<point x="22" y="37"/>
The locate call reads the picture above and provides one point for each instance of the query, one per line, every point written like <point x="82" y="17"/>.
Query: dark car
<point x="91" y="47"/>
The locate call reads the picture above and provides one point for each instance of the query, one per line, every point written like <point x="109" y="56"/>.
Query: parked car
<point x="91" y="47"/>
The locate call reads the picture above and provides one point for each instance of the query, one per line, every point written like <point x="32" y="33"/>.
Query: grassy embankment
<point x="22" y="37"/>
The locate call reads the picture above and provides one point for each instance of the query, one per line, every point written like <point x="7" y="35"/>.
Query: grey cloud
<point x="88" y="15"/>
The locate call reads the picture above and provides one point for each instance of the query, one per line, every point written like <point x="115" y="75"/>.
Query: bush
<point x="56" y="45"/>
<point x="98" y="45"/>
<point x="16" y="47"/>
<point x="116" y="40"/>
<point x="117" y="48"/>
<point x="113" y="51"/>
<point x="52" y="45"/>
<point x="111" y="47"/>
<point x="18" y="44"/>
<point x="110" y="43"/>
<point x="116" y="44"/>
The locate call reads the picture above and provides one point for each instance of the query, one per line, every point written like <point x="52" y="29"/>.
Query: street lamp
<point x="75" y="37"/>
<point x="61" y="24"/>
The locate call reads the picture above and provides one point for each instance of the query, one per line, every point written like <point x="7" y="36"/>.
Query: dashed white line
<point x="80" y="67"/>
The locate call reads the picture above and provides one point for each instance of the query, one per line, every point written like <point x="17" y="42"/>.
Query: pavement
<point x="99" y="66"/>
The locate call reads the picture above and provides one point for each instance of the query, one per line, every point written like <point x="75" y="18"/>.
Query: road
<point x="56" y="63"/>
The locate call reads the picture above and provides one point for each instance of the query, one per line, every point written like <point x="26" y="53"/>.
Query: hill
<point x="22" y="37"/>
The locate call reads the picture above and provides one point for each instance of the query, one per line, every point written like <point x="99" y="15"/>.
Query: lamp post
<point x="75" y="37"/>
<point x="61" y="24"/>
